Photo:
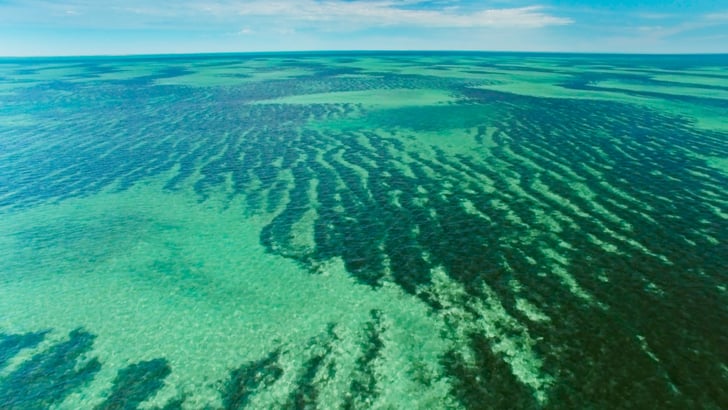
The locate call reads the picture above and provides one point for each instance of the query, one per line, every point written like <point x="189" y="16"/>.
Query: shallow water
<point x="364" y="230"/>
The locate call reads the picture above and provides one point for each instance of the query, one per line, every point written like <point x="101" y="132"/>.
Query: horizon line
<point x="354" y="51"/>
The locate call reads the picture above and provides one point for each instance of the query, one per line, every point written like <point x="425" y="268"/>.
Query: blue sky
<point x="83" y="27"/>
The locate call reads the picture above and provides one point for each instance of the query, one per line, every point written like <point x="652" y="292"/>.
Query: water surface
<point x="364" y="230"/>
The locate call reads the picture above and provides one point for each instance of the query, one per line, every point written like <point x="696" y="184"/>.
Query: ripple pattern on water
<point x="573" y="247"/>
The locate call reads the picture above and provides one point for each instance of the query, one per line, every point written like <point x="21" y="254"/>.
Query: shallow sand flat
<point x="369" y="64"/>
<point x="81" y="73"/>
<point x="16" y="120"/>
<point x="205" y="308"/>
<point x="677" y="90"/>
<point x="373" y="98"/>
<point x="361" y="230"/>
<point x="228" y="76"/>
<point x="693" y="78"/>
<point x="548" y="89"/>
<point x="705" y="116"/>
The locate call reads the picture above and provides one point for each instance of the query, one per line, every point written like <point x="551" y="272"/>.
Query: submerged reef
<point x="493" y="230"/>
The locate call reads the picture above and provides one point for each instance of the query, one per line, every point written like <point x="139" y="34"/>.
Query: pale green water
<point x="363" y="231"/>
<point x="157" y="274"/>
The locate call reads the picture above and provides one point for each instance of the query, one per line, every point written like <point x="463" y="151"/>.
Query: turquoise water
<point x="364" y="230"/>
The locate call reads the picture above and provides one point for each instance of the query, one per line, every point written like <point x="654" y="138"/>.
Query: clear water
<point x="364" y="230"/>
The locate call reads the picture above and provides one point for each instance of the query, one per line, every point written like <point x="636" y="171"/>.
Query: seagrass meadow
<point x="363" y="230"/>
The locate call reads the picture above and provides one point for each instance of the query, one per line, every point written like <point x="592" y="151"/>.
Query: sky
<point x="103" y="27"/>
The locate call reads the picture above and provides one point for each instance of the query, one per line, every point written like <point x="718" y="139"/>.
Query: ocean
<point x="356" y="230"/>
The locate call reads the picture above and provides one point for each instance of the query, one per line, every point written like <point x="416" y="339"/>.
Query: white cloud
<point x="664" y="32"/>
<point x="325" y="14"/>
<point x="391" y="13"/>
<point x="722" y="16"/>
<point x="656" y="16"/>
